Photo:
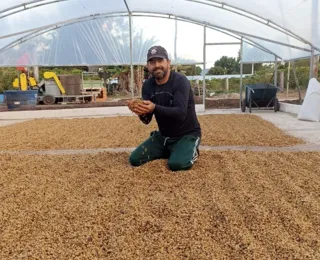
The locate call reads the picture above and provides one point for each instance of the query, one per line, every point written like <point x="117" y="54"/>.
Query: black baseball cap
<point x="157" y="52"/>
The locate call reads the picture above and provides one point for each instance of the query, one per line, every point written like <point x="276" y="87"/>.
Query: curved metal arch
<point x="49" y="28"/>
<point x="24" y="6"/>
<point x="216" y="3"/>
<point x="268" y="22"/>
<point x="236" y="36"/>
<point x="73" y="20"/>
<point x="96" y="16"/>
<point x="249" y="16"/>
<point x="37" y="33"/>
<point x="255" y="44"/>
<point x="242" y="34"/>
<point x="42" y="30"/>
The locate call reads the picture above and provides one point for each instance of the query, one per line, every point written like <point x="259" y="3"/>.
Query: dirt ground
<point x="113" y="132"/>
<point x="231" y="205"/>
<point x="218" y="101"/>
<point x="292" y="94"/>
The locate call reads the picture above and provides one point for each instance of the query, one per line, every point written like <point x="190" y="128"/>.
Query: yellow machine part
<point x="32" y="82"/>
<point x="49" y="75"/>
<point x="15" y="83"/>
<point x="23" y="82"/>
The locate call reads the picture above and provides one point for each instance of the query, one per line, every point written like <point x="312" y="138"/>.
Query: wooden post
<point x="282" y="81"/>
<point x="198" y="86"/>
<point x="227" y="84"/>
<point x="288" y="80"/>
<point x="297" y="81"/>
<point x="315" y="66"/>
<point x="36" y="73"/>
<point x="276" y="71"/>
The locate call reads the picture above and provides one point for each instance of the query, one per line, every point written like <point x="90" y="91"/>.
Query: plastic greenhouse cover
<point x="218" y="17"/>
<point x="251" y="54"/>
<point x="104" y="41"/>
<point x="84" y="39"/>
<point x="300" y="17"/>
<point x="281" y="51"/>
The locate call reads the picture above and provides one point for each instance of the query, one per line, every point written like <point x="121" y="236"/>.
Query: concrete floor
<point x="288" y="122"/>
<point x="10" y="122"/>
<point x="308" y="131"/>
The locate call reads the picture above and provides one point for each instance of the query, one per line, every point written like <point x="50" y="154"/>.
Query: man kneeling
<point x="168" y="96"/>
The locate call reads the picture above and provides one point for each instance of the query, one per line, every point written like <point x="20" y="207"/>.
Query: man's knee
<point x="178" y="165"/>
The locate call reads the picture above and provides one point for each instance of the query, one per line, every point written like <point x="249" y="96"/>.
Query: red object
<point x="23" y="60"/>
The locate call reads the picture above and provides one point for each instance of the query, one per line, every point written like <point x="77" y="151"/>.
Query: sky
<point x="190" y="39"/>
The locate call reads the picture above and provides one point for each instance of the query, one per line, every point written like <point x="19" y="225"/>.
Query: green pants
<point x="180" y="152"/>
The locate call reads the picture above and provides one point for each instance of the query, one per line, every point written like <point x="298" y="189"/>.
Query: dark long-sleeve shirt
<point x="175" y="108"/>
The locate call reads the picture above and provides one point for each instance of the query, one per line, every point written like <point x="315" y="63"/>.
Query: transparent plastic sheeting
<point x="102" y="42"/>
<point x="164" y="32"/>
<point x="216" y="36"/>
<point x="302" y="17"/>
<point x="7" y="41"/>
<point x="218" y="17"/>
<point x="189" y="43"/>
<point x="282" y="51"/>
<point x="251" y="54"/>
<point x="54" y="13"/>
<point x="252" y="19"/>
<point x="215" y="52"/>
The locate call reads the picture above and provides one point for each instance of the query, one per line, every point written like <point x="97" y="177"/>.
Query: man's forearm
<point x="176" y="113"/>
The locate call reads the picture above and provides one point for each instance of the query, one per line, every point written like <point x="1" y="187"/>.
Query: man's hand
<point x="148" y="106"/>
<point x="141" y="107"/>
<point x="130" y="103"/>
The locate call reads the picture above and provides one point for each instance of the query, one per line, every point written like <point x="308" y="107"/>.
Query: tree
<point x="7" y="76"/>
<point x="229" y="64"/>
<point x="247" y="68"/>
<point x="217" y="70"/>
<point x="188" y="70"/>
<point x="193" y="70"/>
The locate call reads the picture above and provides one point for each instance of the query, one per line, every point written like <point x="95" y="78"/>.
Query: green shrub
<point x="7" y="76"/>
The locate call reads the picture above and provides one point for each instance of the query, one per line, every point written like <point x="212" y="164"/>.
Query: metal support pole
<point x="252" y="70"/>
<point x="241" y="70"/>
<point x="276" y="71"/>
<point x="223" y="43"/>
<point x="131" y="57"/>
<point x="204" y="66"/>
<point x="175" y="38"/>
<point x="227" y="85"/>
<point x="314" y="29"/>
<point x="311" y="64"/>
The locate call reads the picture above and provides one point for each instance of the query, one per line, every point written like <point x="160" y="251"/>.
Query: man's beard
<point x="159" y="73"/>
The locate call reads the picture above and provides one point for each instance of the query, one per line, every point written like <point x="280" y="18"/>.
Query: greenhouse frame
<point x="101" y="33"/>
